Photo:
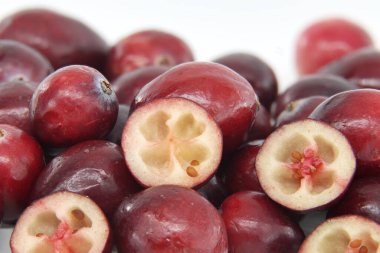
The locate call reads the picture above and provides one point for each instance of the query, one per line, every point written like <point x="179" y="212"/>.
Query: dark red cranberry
<point x="315" y="85"/>
<point x="20" y="62"/>
<point x="122" y="116"/>
<point x="262" y="126"/>
<point x="146" y="48"/>
<point x="328" y="40"/>
<point x="73" y="104"/>
<point x="61" y="39"/>
<point x="128" y="85"/>
<point x="256" y="224"/>
<point x="21" y="161"/>
<point x="169" y="219"/>
<point x="214" y="191"/>
<point x="258" y="73"/>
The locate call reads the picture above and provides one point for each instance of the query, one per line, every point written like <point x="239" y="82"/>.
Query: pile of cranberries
<point x="139" y="148"/>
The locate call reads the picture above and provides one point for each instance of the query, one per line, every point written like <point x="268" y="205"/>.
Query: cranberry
<point x="262" y="126"/>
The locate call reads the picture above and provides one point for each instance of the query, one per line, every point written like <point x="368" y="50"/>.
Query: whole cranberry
<point x="225" y="95"/>
<point x="328" y="40"/>
<point x="15" y="97"/>
<point x="20" y="62"/>
<point x="128" y="85"/>
<point x="356" y="114"/>
<point x="93" y="168"/>
<point x="258" y="73"/>
<point x="256" y="224"/>
<point x="314" y="85"/>
<point x="146" y="48"/>
<point x="214" y="191"/>
<point x="61" y="39"/>
<point x="21" y="161"/>
<point x="361" y="67"/>
<point x="116" y="132"/>
<point x="73" y="104"/>
<point x="262" y="127"/>
<point x="169" y="219"/>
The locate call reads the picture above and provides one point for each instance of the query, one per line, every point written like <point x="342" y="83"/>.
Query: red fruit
<point x="169" y="219"/>
<point x="262" y="126"/>
<point x="240" y="170"/>
<point x="91" y="168"/>
<point x="362" y="198"/>
<point x="214" y="191"/>
<point x="62" y="222"/>
<point x="146" y="48"/>
<point x="360" y="67"/>
<point x="255" y="224"/>
<point x="225" y="95"/>
<point x="20" y="62"/>
<point x="298" y="109"/>
<point x="116" y="132"/>
<point x="128" y="85"/>
<point x="356" y="114"/>
<point x="316" y="85"/>
<point x="73" y="104"/>
<point x="21" y="162"/>
<point x="326" y="41"/>
<point x="61" y="39"/>
<point x="15" y="98"/>
<point x="257" y="72"/>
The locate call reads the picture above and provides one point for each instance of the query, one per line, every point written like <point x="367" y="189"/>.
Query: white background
<point x="267" y="28"/>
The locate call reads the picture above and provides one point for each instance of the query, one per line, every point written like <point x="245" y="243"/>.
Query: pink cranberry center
<point x="305" y="164"/>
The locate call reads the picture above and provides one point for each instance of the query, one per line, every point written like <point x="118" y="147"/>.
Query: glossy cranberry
<point x="299" y="109"/>
<point x="357" y="115"/>
<point x="93" y="168"/>
<point x="21" y="162"/>
<point x="61" y="39"/>
<point x="73" y="104"/>
<point x="128" y="85"/>
<point x="226" y="96"/>
<point x="328" y="40"/>
<point x="362" y="198"/>
<point x="258" y="73"/>
<point x="360" y="67"/>
<point x="315" y="85"/>
<point x="240" y="170"/>
<point x="262" y="126"/>
<point x="15" y="97"/>
<point x="146" y="48"/>
<point x="214" y="191"/>
<point x="20" y="62"/>
<point x="122" y="116"/>
<point x="255" y="224"/>
<point x="169" y="219"/>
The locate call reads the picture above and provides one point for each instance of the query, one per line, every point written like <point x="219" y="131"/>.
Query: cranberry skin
<point x="61" y="39"/>
<point x="225" y="95"/>
<point x="169" y="219"/>
<point x="315" y="85"/>
<point x="326" y="41"/>
<point x="128" y="85"/>
<point x="357" y="115"/>
<point x="94" y="168"/>
<point x="240" y="170"/>
<point x="362" y="198"/>
<point x="259" y="74"/>
<point x="262" y="126"/>
<point x="214" y="191"/>
<point x="146" y="48"/>
<point x="15" y="97"/>
<point x="73" y="104"/>
<point x="299" y="109"/>
<point x="21" y="161"/>
<point x="20" y="62"/>
<point x="360" y="67"/>
<point x="122" y="116"/>
<point x="255" y="224"/>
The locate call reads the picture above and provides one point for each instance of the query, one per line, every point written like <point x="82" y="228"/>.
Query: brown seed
<point x="363" y="249"/>
<point x="194" y="162"/>
<point x="355" y="244"/>
<point x="39" y="234"/>
<point x="78" y="214"/>
<point x="297" y="155"/>
<point x="191" y="171"/>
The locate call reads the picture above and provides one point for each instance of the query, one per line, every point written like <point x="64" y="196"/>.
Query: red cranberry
<point x="262" y="126"/>
<point x="146" y="48"/>
<point x="214" y="191"/>
<point x="21" y="162"/>
<point x="62" y="40"/>
<point x="225" y="95"/>
<point x="326" y="41"/>
<point x="20" y="62"/>
<point x="169" y="219"/>
<point x="73" y="104"/>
